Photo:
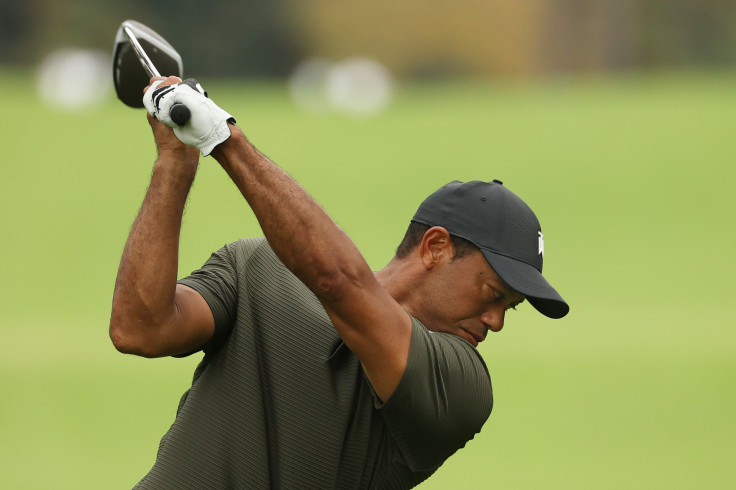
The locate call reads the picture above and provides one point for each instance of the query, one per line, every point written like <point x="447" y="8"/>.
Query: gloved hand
<point x="208" y="124"/>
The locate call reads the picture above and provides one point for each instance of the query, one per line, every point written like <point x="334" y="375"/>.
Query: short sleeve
<point x="217" y="282"/>
<point x="442" y="401"/>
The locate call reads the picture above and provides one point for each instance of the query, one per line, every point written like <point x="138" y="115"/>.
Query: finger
<point x="164" y="81"/>
<point x="147" y="99"/>
<point x="156" y="125"/>
<point x="151" y="82"/>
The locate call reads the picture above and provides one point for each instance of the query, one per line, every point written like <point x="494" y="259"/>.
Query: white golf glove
<point x="207" y="126"/>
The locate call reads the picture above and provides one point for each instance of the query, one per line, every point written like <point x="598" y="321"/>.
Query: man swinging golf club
<point x="317" y="372"/>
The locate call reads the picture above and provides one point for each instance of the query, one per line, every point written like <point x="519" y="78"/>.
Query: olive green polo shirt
<point x="279" y="401"/>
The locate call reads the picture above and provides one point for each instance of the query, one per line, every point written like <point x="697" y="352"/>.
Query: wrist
<point x="180" y="155"/>
<point x="176" y="163"/>
<point x="227" y="149"/>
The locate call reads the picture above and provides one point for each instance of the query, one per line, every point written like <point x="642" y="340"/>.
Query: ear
<point x="436" y="247"/>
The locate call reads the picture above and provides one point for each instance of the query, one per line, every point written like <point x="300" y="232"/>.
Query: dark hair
<point x="415" y="233"/>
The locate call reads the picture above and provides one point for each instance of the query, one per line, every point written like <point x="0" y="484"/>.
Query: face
<point x="467" y="298"/>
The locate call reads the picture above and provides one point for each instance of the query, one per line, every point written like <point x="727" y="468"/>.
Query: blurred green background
<point x="626" y="156"/>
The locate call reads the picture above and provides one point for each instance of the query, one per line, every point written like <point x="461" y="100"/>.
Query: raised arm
<point x="374" y="326"/>
<point x="151" y="315"/>
<point x="315" y="249"/>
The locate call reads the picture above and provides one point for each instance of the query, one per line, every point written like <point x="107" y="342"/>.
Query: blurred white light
<point x="74" y="79"/>
<point x="358" y="86"/>
<point x="308" y="85"/>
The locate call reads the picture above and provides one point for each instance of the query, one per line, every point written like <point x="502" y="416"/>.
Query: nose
<point x="493" y="318"/>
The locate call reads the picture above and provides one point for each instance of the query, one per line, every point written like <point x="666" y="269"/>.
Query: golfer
<point x="317" y="371"/>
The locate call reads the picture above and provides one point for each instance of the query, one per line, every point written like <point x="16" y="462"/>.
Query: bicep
<point x="376" y="329"/>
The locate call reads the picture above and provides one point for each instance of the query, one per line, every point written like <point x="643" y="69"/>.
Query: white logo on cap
<point x="541" y="244"/>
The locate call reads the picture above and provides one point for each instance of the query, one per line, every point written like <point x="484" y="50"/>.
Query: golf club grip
<point x="180" y="114"/>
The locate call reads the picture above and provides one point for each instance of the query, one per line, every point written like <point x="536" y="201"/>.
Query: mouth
<point x="471" y="337"/>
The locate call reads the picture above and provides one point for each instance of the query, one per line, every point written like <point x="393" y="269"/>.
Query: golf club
<point x="137" y="53"/>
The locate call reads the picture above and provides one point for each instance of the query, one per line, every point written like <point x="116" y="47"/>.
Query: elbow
<point x="135" y="330"/>
<point x="127" y="341"/>
<point x="121" y="329"/>
<point x="121" y="338"/>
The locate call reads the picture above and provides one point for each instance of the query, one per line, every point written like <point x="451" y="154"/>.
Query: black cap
<point x="506" y="231"/>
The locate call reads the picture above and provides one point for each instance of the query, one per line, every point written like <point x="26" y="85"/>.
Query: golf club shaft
<point x="141" y="54"/>
<point x="179" y="113"/>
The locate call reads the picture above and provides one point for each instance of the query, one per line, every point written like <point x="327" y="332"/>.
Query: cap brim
<point x="527" y="280"/>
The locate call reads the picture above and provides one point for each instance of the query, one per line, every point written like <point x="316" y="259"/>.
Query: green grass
<point x="631" y="178"/>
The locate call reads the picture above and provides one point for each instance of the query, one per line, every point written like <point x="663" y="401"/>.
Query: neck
<point x="400" y="278"/>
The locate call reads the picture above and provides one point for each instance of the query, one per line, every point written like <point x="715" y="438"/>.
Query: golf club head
<point x="128" y="73"/>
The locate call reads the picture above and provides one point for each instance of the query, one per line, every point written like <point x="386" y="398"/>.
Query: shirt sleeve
<point x="442" y="401"/>
<point x="217" y="282"/>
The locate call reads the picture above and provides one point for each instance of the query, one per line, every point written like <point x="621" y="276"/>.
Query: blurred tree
<point x="426" y="37"/>
<point x="683" y="32"/>
<point x="415" y="38"/>
<point x="15" y="19"/>
<point x="228" y="38"/>
<point x="589" y="35"/>
<point x="225" y="38"/>
<point x="487" y="37"/>
<point x="77" y="23"/>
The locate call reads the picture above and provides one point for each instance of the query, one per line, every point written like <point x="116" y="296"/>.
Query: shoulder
<point x="246" y="254"/>
<point x="249" y="248"/>
<point x="449" y="361"/>
<point x="442" y="401"/>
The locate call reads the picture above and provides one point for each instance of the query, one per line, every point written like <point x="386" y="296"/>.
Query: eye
<point x="513" y="306"/>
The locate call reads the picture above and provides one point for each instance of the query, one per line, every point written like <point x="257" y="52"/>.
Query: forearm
<point x="301" y="234"/>
<point x="145" y="288"/>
